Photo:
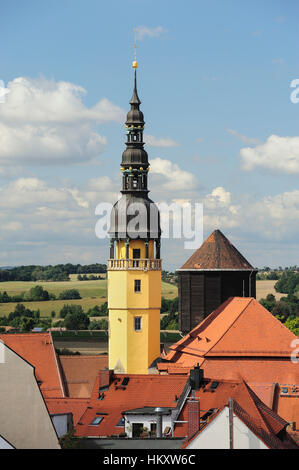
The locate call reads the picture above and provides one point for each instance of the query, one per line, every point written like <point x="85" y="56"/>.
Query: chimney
<point x="104" y="379"/>
<point x="196" y="378"/>
<point x="159" y="414"/>
<point x="193" y="416"/>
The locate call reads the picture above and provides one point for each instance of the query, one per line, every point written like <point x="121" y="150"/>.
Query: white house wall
<point x="60" y="423"/>
<point x="4" y="444"/>
<point x="24" y="419"/>
<point x="216" y="435"/>
<point x="146" y="420"/>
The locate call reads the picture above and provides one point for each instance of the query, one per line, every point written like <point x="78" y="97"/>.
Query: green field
<point x="92" y="293"/>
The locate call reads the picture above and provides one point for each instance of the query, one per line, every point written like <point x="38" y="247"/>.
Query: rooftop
<point x="140" y="391"/>
<point x="262" y="420"/>
<point x="38" y="350"/>
<point x="217" y="253"/>
<point x="240" y="326"/>
<point x="80" y="372"/>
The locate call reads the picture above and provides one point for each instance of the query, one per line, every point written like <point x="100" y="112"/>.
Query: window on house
<point x="137" y="285"/>
<point x="136" y="253"/>
<point x="153" y="430"/>
<point x="137" y="323"/>
<point x="96" y="421"/>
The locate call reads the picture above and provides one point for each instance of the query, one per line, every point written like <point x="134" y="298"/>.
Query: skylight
<point x="96" y="421"/>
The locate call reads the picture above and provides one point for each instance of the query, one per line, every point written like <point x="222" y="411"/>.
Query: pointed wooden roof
<point x="217" y="253"/>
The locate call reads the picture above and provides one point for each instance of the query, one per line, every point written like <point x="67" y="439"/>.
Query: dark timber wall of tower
<point x="201" y="292"/>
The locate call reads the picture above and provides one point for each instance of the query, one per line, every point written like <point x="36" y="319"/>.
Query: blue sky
<point x="214" y="79"/>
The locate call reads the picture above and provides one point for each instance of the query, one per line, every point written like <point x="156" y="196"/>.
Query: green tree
<point x="269" y="302"/>
<point x="37" y="294"/>
<point x="26" y="323"/>
<point x="98" y="325"/>
<point x="76" y="321"/>
<point x="292" y="323"/>
<point x="70" y="309"/>
<point x="69" y="294"/>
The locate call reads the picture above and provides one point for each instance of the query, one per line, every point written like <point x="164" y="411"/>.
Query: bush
<point x="288" y="283"/>
<point x="98" y="325"/>
<point x="70" y="309"/>
<point x="66" y="352"/>
<point x="70" y="441"/>
<point x="69" y="294"/>
<point x="77" y="320"/>
<point x="269" y="302"/>
<point x="37" y="294"/>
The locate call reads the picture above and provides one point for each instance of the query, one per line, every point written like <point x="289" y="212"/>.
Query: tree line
<point x="39" y="294"/>
<point x="59" y="272"/>
<point x="72" y="317"/>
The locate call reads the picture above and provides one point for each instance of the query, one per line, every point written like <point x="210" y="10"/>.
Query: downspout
<point x="250" y="282"/>
<point x="231" y="423"/>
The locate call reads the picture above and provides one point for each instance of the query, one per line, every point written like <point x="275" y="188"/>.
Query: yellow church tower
<point x="134" y="267"/>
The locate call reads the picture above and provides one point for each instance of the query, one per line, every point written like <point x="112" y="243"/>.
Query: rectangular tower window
<point x="137" y="323"/>
<point x="137" y="285"/>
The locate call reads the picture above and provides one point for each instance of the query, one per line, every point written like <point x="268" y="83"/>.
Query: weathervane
<point x="135" y="63"/>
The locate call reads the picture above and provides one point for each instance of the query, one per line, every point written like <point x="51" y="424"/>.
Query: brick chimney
<point x="193" y="416"/>
<point x="104" y="379"/>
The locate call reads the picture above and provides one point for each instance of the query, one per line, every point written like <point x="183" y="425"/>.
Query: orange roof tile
<point x="241" y="326"/>
<point x="141" y="391"/>
<point x="80" y="372"/>
<point x="217" y="252"/>
<point x="76" y="406"/>
<point x="270" y="370"/>
<point x="38" y="350"/>
<point x="257" y="416"/>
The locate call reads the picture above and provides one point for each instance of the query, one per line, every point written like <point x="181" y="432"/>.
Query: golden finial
<point x="135" y="63"/>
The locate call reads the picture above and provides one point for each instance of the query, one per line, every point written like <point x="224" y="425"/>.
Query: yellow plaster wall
<point x="133" y="351"/>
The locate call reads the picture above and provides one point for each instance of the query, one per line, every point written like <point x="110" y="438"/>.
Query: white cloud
<point x="170" y="177"/>
<point x="46" y="122"/>
<point x="219" y="195"/>
<point x="277" y="154"/>
<point x="152" y="141"/>
<point x="242" y="137"/>
<point x="219" y="211"/>
<point x="145" y="31"/>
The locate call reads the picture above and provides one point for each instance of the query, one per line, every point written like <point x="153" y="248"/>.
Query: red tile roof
<point x="217" y="252"/>
<point x="141" y="391"/>
<point x="75" y="406"/>
<point x="80" y="372"/>
<point x="38" y="350"/>
<point x="265" y="423"/>
<point x="241" y="338"/>
<point x="241" y="326"/>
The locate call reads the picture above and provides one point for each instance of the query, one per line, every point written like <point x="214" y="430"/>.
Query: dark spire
<point x="135" y="116"/>
<point x="135" y="98"/>
<point x="135" y="157"/>
<point x="134" y="167"/>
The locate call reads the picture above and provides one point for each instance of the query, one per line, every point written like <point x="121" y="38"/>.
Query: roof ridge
<point x="257" y="402"/>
